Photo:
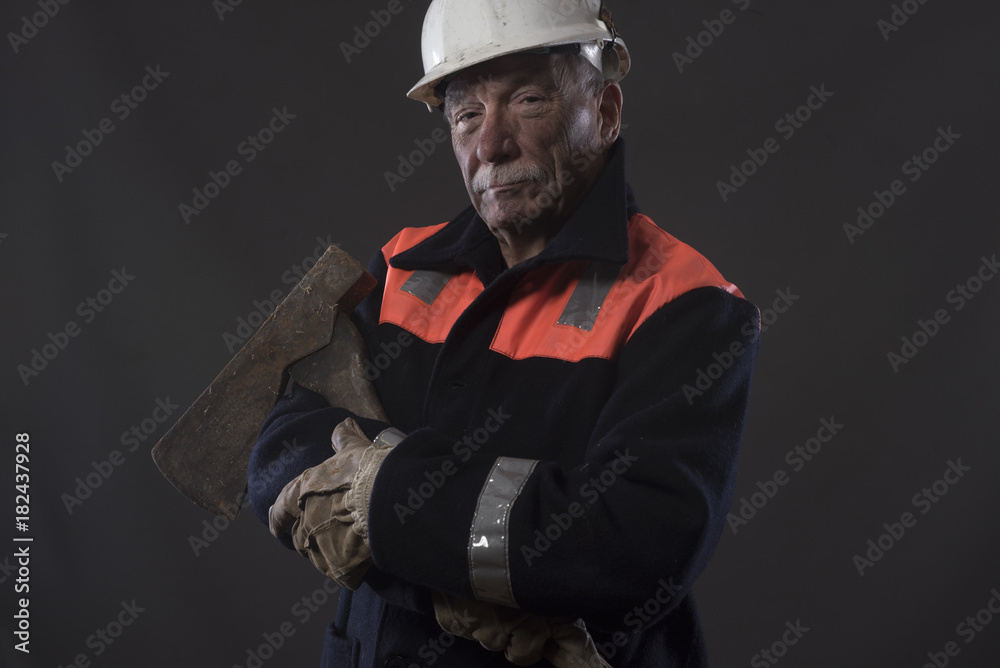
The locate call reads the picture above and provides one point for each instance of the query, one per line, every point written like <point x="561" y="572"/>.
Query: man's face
<point x="527" y="136"/>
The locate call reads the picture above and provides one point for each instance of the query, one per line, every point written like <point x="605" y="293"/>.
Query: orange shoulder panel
<point x="407" y="238"/>
<point x="660" y="269"/>
<point x="425" y="303"/>
<point x="568" y="311"/>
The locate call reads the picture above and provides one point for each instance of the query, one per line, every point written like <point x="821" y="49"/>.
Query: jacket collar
<point x="597" y="231"/>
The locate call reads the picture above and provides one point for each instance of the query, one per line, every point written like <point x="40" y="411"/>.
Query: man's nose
<point x="497" y="137"/>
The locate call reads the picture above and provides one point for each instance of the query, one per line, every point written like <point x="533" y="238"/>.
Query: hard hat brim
<point x="425" y="89"/>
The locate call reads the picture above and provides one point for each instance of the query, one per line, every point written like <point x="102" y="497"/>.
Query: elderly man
<point x="567" y="392"/>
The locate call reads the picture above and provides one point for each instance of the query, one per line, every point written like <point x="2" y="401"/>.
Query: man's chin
<point x="506" y="224"/>
<point x="511" y="215"/>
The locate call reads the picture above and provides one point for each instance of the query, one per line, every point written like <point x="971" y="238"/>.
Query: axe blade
<point x="206" y="452"/>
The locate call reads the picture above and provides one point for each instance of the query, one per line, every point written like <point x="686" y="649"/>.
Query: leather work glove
<point x="524" y="638"/>
<point x="326" y="507"/>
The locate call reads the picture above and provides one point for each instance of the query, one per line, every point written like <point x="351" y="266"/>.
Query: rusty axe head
<point x="205" y="454"/>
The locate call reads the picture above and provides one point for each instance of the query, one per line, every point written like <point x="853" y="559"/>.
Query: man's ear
<point x="610" y="108"/>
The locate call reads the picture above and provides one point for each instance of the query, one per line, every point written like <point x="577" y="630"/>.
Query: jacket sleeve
<point x="296" y="436"/>
<point x="643" y="512"/>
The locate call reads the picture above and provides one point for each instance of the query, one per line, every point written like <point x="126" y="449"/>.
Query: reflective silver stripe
<point x="391" y="437"/>
<point x="426" y="285"/>
<point x="489" y="564"/>
<point x="585" y="303"/>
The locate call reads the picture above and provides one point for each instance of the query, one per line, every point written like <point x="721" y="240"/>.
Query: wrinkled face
<point x="527" y="135"/>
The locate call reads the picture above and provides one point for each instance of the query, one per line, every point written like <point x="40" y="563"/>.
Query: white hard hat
<point x="458" y="34"/>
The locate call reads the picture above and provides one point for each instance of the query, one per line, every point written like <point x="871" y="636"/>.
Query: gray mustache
<point x="504" y="175"/>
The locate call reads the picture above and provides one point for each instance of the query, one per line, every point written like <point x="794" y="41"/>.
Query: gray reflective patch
<point x="426" y="285"/>
<point x="585" y="303"/>
<point x="489" y="563"/>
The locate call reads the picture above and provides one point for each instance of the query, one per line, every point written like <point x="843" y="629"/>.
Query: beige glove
<point x="326" y="507"/>
<point x="524" y="638"/>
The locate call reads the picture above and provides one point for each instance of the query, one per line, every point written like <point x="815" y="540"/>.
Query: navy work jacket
<point x="572" y="431"/>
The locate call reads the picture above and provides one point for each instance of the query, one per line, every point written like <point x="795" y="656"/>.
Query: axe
<point x="205" y="454"/>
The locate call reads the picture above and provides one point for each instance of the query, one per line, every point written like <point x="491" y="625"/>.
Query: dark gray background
<point x="324" y="176"/>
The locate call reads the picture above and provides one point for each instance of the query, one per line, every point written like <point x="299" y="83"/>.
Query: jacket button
<point x="395" y="662"/>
